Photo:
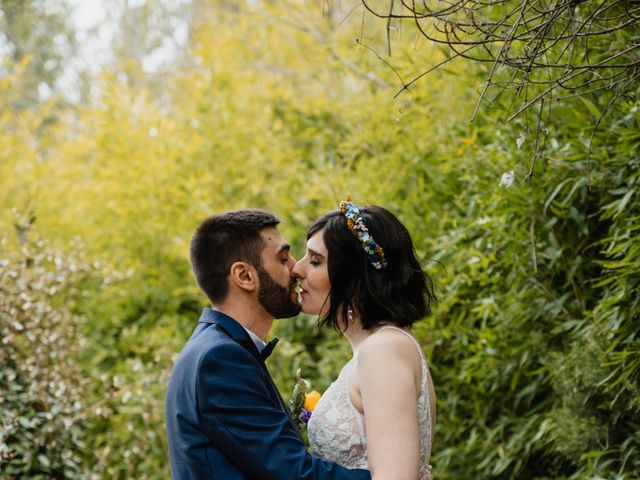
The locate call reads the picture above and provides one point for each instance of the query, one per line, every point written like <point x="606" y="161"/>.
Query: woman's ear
<point x="244" y="276"/>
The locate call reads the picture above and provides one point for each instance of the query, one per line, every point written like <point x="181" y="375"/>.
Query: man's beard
<point x="275" y="298"/>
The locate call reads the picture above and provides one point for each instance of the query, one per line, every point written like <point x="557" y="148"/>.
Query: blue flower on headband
<point x="356" y="225"/>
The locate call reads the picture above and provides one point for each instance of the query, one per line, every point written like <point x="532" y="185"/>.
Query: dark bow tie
<point x="268" y="348"/>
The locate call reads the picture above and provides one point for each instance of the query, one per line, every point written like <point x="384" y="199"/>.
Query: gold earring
<point x="350" y="314"/>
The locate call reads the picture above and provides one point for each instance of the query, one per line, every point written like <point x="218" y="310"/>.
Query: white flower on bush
<point x="507" y="179"/>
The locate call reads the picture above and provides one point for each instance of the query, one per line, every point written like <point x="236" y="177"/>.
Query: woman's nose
<point x="296" y="270"/>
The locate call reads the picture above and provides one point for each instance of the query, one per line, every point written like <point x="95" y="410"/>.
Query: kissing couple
<point x="225" y="418"/>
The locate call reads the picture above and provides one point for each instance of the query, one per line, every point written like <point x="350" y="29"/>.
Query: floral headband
<point x="355" y="223"/>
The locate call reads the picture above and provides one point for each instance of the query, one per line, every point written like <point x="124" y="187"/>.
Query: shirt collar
<point x="257" y="341"/>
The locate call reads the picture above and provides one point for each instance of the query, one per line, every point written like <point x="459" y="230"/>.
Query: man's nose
<point x="292" y="265"/>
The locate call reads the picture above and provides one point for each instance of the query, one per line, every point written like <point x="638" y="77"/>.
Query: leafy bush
<point x="533" y="346"/>
<point x="44" y="392"/>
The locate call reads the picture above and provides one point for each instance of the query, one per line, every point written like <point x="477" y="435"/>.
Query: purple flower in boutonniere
<point x="305" y="416"/>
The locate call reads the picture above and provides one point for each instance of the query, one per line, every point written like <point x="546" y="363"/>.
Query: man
<point x="225" y="417"/>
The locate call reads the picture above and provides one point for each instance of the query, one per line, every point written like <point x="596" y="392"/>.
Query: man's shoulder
<point x="210" y="342"/>
<point x="207" y="337"/>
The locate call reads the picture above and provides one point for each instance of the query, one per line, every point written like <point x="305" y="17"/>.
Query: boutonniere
<point x="302" y="401"/>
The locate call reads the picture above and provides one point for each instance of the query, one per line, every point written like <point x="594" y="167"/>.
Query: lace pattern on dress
<point x="336" y="428"/>
<point x="335" y="432"/>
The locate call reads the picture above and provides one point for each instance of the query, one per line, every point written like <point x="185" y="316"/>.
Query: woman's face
<point x="313" y="274"/>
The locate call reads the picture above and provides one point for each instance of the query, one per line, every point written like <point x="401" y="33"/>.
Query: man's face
<point x="277" y="293"/>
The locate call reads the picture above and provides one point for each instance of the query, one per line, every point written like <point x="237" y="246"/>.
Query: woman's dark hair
<point x="401" y="293"/>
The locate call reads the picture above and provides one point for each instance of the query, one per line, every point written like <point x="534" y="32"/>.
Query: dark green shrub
<point x="535" y="349"/>
<point x="43" y="394"/>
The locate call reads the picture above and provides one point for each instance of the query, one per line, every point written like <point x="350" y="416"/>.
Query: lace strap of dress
<point x="417" y="344"/>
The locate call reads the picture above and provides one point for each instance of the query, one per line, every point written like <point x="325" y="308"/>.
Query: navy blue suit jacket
<point x="225" y="417"/>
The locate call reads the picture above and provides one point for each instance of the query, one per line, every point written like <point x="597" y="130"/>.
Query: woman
<point x="360" y="274"/>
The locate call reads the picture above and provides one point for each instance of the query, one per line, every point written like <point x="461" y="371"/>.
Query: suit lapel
<point x="232" y="328"/>
<point x="240" y="335"/>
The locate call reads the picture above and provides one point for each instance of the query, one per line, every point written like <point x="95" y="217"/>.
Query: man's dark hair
<point x="224" y="239"/>
<point x="401" y="293"/>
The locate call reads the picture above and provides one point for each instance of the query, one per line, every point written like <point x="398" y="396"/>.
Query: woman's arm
<point x="388" y="378"/>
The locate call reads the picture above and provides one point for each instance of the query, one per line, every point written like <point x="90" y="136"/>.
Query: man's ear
<point x="244" y="276"/>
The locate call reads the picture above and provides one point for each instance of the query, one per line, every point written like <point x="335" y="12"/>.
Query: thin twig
<point x="359" y="42"/>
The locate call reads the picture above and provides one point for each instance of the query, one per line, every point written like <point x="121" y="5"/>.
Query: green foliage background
<point x="534" y="347"/>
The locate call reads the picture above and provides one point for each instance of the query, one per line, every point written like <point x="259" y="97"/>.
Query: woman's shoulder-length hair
<point x="399" y="294"/>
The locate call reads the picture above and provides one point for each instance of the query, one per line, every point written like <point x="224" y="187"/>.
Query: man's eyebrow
<point x="314" y="253"/>
<point x="285" y="247"/>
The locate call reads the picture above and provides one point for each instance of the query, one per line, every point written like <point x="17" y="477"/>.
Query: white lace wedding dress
<point x="336" y="428"/>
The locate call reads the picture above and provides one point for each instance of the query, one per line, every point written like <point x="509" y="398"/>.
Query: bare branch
<point x="548" y="45"/>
